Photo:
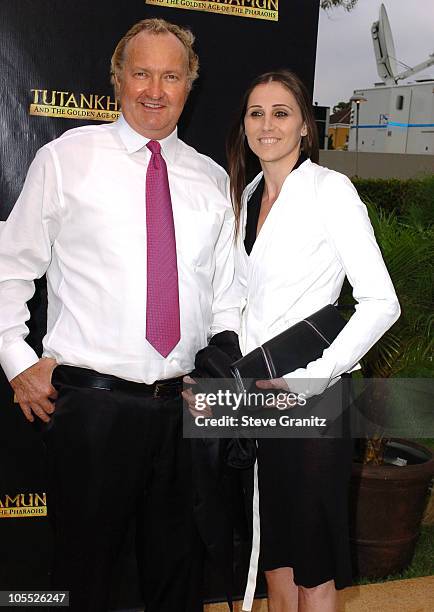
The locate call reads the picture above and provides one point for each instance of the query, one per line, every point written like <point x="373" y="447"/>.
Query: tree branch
<point x="348" y="5"/>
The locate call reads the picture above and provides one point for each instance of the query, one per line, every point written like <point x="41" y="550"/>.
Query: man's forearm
<point x="25" y="253"/>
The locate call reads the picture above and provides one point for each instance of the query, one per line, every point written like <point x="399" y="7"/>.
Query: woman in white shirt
<point x="301" y="228"/>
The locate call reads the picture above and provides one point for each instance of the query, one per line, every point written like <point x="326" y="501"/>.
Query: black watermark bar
<point x="351" y="407"/>
<point x="30" y="599"/>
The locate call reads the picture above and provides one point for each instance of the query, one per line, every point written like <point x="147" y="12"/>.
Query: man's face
<point x="153" y="85"/>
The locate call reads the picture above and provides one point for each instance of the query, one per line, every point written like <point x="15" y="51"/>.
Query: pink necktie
<point x="162" y="305"/>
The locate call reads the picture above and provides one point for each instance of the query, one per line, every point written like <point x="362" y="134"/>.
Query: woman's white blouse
<point x="317" y="231"/>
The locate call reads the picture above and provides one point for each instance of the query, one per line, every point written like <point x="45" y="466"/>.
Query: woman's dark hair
<point x="237" y="150"/>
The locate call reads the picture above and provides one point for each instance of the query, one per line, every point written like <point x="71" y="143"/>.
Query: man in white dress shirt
<point x="107" y="393"/>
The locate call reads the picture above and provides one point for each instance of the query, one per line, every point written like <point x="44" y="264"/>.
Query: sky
<point x="345" y="53"/>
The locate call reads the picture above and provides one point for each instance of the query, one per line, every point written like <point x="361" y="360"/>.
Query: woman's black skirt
<point x="303" y="505"/>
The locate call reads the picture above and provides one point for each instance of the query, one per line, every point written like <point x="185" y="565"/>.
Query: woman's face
<point x="273" y="123"/>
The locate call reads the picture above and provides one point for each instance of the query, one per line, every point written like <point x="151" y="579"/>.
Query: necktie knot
<point x="154" y="146"/>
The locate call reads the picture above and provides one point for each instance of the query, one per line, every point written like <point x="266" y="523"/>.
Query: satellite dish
<point x="385" y="52"/>
<point x="384" y="47"/>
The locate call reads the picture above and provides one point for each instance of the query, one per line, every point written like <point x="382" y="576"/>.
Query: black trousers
<point x="113" y="455"/>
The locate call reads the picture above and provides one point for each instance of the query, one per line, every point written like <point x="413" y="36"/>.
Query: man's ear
<point x="116" y="81"/>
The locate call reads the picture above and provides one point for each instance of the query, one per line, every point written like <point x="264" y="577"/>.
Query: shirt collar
<point x="134" y="141"/>
<point x="250" y="188"/>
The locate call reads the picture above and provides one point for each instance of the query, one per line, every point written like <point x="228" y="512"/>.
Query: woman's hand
<point x="273" y="383"/>
<point x="284" y="400"/>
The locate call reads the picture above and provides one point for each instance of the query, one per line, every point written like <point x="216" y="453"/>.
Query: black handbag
<point x="214" y="361"/>
<point x="294" y="348"/>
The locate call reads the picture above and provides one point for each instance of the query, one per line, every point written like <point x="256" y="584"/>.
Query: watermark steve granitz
<point x="247" y="401"/>
<point x="255" y="421"/>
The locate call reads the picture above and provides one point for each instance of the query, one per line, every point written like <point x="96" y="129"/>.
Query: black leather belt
<point x="82" y="377"/>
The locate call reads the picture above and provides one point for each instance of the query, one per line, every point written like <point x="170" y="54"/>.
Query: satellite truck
<point x="393" y="118"/>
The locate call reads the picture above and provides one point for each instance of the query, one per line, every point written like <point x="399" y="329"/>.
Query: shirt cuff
<point x="16" y="358"/>
<point x="301" y="381"/>
<point x="314" y="379"/>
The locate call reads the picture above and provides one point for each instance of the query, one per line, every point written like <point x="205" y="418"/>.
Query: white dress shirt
<point x="81" y="218"/>
<point x="317" y="231"/>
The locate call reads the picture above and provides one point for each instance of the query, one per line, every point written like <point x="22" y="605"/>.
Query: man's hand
<point x="33" y="390"/>
<point x="190" y="398"/>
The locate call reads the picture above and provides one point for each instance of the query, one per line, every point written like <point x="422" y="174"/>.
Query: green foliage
<point x="406" y="350"/>
<point x="411" y="199"/>
<point x="341" y="106"/>
<point x="402" y="215"/>
<point x="348" y="5"/>
<point x="407" y="245"/>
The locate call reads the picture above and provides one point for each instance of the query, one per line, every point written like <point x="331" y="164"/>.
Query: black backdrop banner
<point x="54" y="75"/>
<point x="54" y="68"/>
